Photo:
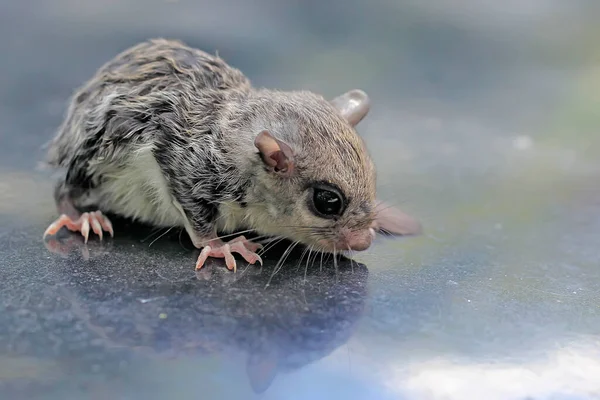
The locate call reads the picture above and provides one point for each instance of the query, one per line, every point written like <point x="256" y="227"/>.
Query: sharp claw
<point x="85" y="227"/>
<point x="96" y="227"/>
<point x="50" y="230"/>
<point x="58" y="224"/>
<point x="105" y="223"/>
<point x="229" y="259"/>
<point x="244" y="249"/>
<point x="202" y="257"/>
<point x="109" y="227"/>
<point x="230" y="263"/>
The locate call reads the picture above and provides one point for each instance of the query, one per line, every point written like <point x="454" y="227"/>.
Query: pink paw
<point x="218" y="249"/>
<point x="94" y="220"/>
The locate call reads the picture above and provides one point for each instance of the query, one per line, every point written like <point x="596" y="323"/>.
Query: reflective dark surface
<point x="485" y="125"/>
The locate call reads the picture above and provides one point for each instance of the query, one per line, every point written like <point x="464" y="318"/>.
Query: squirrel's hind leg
<point x="67" y="199"/>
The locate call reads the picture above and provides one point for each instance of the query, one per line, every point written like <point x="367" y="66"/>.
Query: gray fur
<point x="164" y="133"/>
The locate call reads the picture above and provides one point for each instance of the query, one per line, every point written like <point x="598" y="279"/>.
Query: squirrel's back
<point x="142" y="80"/>
<point x="157" y="59"/>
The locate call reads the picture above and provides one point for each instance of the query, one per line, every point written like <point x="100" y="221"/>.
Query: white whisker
<point x="301" y="258"/>
<point x="273" y="243"/>
<point x="308" y="261"/>
<point x="279" y="264"/>
<point x="321" y="269"/>
<point x="335" y="264"/>
<point x="350" y="257"/>
<point x="151" y="243"/>
<point x="152" y="233"/>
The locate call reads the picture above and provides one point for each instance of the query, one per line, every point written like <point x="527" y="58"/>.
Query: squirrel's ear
<point x="277" y="155"/>
<point x="353" y="105"/>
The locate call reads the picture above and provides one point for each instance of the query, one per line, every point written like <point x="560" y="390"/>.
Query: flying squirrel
<point x="172" y="136"/>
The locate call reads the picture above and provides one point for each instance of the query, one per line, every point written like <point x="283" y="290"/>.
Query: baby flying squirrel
<point x="172" y="136"/>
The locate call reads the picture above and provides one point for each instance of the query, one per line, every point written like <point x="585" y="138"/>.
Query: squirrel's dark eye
<point x="327" y="203"/>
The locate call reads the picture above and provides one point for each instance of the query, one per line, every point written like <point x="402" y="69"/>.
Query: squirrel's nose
<point x="360" y="240"/>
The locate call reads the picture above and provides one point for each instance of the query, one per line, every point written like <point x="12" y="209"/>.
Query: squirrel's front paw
<point x="218" y="249"/>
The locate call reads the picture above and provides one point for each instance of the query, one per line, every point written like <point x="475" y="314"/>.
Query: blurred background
<point x="484" y="124"/>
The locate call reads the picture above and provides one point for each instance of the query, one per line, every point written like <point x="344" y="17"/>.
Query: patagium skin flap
<point x="172" y="136"/>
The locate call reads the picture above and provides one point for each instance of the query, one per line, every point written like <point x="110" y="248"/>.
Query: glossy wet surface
<point x="484" y="125"/>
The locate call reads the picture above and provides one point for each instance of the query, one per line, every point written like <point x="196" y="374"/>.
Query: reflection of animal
<point x="172" y="136"/>
<point x="298" y="320"/>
